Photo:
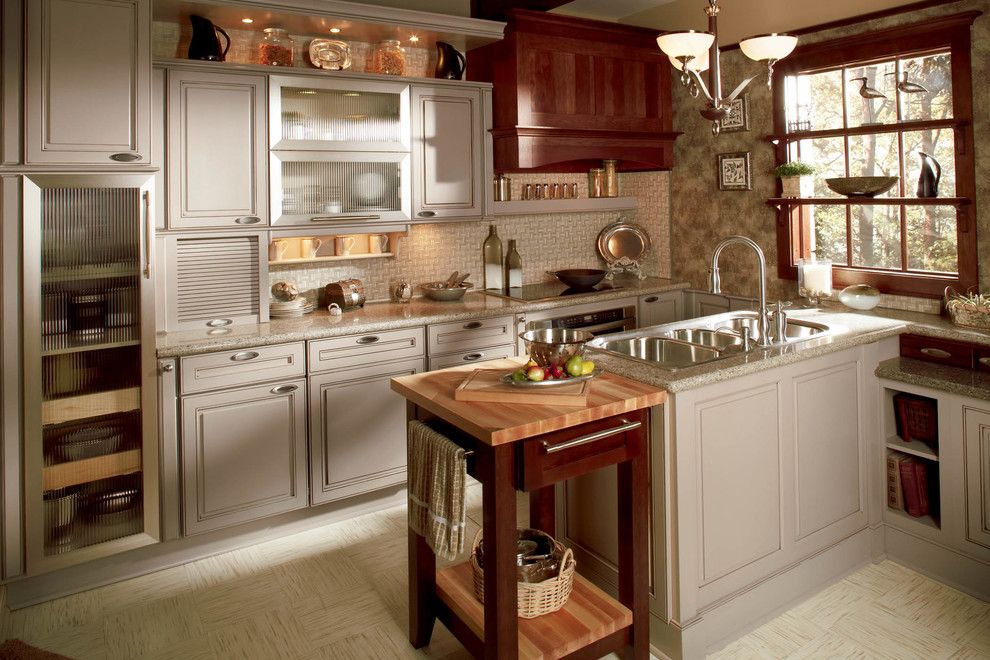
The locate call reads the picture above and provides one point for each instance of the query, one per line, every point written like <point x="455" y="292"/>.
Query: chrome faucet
<point x="715" y="282"/>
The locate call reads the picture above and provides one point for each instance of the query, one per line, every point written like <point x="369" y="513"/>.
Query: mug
<point x="277" y="248"/>
<point x="377" y="243"/>
<point x="343" y="245"/>
<point x="309" y="247"/>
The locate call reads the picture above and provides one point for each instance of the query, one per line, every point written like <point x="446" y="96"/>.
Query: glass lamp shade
<point x="768" y="46"/>
<point x="685" y="44"/>
<point x="698" y="64"/>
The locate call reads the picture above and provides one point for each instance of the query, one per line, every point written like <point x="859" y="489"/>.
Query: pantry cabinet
<point x="243" y="454"/>
<point x="976" y="451"/>
<point x="10" y="81"/>
<point x="88" y="82"/>
<point x="217" y="150"/>
<point x="448" y="165"/>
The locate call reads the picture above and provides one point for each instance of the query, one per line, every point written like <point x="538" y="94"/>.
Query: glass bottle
<point x="513" y="266"/>
<point x="389" y="58"/>
<point x="596" y="182"/>
<point x="492" y="254"/>
<point x="611" y="183"/>
<point x="275" y="48"/>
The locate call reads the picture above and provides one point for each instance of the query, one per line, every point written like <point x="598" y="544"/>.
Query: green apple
<point x="519" y="375"/>
<point x="575" y="366"/>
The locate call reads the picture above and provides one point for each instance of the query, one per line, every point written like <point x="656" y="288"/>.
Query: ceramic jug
<point x="205" y="42"/>
<point x="450" y="63"/>
<point x="931" y="174"/>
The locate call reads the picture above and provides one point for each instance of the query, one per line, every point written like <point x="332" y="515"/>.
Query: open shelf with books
<point x="912" y="459"/>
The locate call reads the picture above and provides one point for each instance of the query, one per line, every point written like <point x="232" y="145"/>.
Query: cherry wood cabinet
<point x="569" y="92"/>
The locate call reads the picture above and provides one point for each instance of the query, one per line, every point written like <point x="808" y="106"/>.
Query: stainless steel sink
<point x="697" y="341"/>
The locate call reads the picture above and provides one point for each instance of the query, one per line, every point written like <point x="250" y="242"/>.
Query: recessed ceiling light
<point x="335" y="30"/>
<point x="247" y="20"/>
<point x="414" y="38"/>
<point x="351" y="94"/>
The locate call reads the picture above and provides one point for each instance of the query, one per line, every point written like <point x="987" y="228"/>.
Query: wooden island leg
<point x="495" y="469"/>
<point x="422" y="590"/>
<point x="634" y="543"/>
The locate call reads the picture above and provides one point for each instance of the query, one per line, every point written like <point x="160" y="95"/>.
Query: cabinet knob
<point x="426" y="214"/>
<point x="125" y="157"/>
<point x="248" y="220"/>
<point x="936" y="353"/>
<point x="168" y="367"/>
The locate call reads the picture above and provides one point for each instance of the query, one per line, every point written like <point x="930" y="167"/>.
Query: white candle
<point x="818" y="277"/>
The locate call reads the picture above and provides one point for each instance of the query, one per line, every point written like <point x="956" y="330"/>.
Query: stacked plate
<point x="291" y="308"/>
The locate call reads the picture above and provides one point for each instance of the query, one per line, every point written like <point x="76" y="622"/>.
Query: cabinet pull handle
<point x="473" y="325"/>
<point x="370" y="339"/>
<point x="248" y="220"/>
<point x="342" y="218"/>
<point x="284" y="389"/>
<point x="244" y="356"/>
<point x="125" y="157"/>
<point x="591" y="437"/>
<point x="471" y="357"/>
<point x="168" y="367"/>
<point x="651" y="299"/>
<point x="218" y="323"/>
<point x="427" y="214"/>
<point x="985" y="361"/>
<point x="149" y="233"/>
<point x="936" y="353"/>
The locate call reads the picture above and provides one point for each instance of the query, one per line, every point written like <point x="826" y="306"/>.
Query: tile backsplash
<point x="545" y="242"/>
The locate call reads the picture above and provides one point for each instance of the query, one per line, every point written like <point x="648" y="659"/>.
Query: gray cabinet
<point x="217" y="155"/>
<point x="243" y="454"/>
<point x="11" y="531"/>
<point x="448" y="166"/>
<point x="88" y="77"/>
<point x="976" y="452"/>
<point x="10" y="81"/>
<point x="358" y="430"/>
<point x="660" y="308"/>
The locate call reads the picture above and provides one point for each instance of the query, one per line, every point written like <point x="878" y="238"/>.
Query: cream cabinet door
<point x="243" y="454"/>
<point x="88" y="79"/>
<point x="977" y="460"/>
<point x="217" y="160"/>
<point x="358" y="430"/>
<point x="660" y="308"/>
<point x="448" y="169"/>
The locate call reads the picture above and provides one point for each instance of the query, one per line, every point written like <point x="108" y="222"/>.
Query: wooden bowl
<point x="861" y="186"/>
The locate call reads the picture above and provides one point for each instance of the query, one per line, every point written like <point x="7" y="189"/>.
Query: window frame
<point x="947" y="32"/>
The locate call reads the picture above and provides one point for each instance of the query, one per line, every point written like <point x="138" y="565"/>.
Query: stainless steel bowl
<point x="60" y="508"/>
<point x="438" y="291"/>
<point x="552" y="347"/>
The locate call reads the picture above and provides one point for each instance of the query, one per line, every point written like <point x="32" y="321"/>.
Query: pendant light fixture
<point x="692" y="52"/>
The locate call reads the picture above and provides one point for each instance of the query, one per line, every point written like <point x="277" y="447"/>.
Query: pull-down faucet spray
<point x="715" y="282"/>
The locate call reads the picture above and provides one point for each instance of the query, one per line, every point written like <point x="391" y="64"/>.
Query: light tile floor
<point x="340" y="592"/>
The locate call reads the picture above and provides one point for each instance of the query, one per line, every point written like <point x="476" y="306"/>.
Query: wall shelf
<point x="579" y="205"/>
<point x="869" y="129"/>
<point x="84" y="406"/>
<point x="913" y="447"/>
<point x="91" y="469"/>
<point x="778" y="202"/>
<point x="320" y="260"/>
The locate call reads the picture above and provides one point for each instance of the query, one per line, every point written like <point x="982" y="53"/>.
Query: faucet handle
<point x="780" y="306"/>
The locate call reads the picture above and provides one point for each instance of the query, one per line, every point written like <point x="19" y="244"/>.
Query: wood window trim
<point x="951" y="32"/>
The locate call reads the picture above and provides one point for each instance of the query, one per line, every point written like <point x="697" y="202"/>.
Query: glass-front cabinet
<point x="90" y="428"/>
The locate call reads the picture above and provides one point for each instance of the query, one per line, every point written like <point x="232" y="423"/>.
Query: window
<point x="868" y="105"/>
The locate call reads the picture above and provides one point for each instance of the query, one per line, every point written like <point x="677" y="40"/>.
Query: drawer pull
<point x="370" y="339"/>
<point x="426" y="214"/>
<point x="936" y="353"/>
<point x="472" y="357"/>
<point x="343" y="218"/>
<point x="473" y="325"/>
<point x="985" y="361"/>
<point x="125" y="157"/>
<point x="244" y="356"/>
<point x="651" y="299"/>
<point x="284" y="389"/>
<point x="591" y="437"/>
<point x="168" y="367"/>
<point x="248" y="220"/>
<point x="218" y="323"/>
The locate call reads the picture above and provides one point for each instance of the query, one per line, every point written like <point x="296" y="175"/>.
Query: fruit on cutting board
<point x="587" y="367"/>
<point x="574" y="367"/>
<point x="536" y="374"/>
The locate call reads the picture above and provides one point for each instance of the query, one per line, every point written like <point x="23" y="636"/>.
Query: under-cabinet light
<point x="414" y="38"/>
<point x="247" y="20"/>
<point x="335" y="30"/>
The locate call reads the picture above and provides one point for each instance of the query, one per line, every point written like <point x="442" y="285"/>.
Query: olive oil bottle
<point x="492" y="257"/>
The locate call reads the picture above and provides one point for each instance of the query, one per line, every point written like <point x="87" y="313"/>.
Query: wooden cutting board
<point x="486" y="385"/>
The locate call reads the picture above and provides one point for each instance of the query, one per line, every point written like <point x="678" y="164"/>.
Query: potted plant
<point x="790" y="174"/>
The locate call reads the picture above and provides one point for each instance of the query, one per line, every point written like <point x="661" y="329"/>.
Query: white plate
<point x="368" y="187"/>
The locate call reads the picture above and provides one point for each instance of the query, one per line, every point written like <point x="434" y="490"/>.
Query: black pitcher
<point x="931" y="174"/>
<point x="205" y="44"/>
<point x="450" y="63"/>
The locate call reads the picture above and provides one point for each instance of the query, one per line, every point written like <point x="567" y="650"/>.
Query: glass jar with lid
<point x="389" y="58"/>
<point x="275" y="48"/>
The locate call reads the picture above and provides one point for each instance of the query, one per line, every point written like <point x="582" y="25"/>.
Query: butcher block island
<point x="530" y="448"/>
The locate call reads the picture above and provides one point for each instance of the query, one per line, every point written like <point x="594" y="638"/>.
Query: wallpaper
<point x="702" y="215"/>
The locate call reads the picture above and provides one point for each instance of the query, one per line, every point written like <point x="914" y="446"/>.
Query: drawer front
<point x="464" y="336"/>
<point x="357" y="350"/>
<point x="941" y="351"/>
<point x="553" y="457"/>
<point x="200" y="373"/>
<point x="478" y="355"/>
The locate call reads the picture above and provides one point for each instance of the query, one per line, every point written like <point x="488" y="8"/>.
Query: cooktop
<point x="548" y="291"/>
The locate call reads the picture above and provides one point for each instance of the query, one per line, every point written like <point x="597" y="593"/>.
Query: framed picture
<point x="734" y="171"/>
<point x="738" y="117"/>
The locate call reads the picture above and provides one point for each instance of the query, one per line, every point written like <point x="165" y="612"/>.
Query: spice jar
<point x="596" y="182"/>
<point x="389" y="58"/>
<point x="611" y="188"/>
<point x="275" y="48"/>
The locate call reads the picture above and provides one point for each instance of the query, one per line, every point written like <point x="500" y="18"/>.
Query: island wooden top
<point x="500" y="423"/>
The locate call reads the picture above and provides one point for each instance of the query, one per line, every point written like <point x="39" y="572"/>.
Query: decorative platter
<point x="623" y="239"/>
<point x="507" y="379"/>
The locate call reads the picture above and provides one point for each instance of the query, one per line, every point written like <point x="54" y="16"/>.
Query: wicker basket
<point x="533" y="599"/>
<point x="966" y="314"/>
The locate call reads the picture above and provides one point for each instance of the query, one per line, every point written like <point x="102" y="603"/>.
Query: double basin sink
<point x="689" y="343"/>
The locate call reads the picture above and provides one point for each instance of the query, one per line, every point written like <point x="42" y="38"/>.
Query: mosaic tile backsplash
<point x="545" y="243"/>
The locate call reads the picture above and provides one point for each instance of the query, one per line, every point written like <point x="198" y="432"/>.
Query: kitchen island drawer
<point x="200" y="373"/>
<point x="446" y="338"/>
<point x="941" y="351"/>
<point x="359" y="350"/>
<point x="467" y="357"/>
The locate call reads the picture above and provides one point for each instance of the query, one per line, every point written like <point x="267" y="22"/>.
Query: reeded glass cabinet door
<point x="90" y="450"/>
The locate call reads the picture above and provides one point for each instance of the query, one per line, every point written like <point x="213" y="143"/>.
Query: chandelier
<point x="694" y="52"/>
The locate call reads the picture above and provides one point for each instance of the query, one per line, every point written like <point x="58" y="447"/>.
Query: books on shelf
<point x="895" y="492"/>
<point x="908" y="484"/>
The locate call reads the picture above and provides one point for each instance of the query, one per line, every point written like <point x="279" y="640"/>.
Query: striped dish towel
<point x="437" y="471"/>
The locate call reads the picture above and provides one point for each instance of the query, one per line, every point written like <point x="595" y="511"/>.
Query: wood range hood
<point x="570" y="92"/>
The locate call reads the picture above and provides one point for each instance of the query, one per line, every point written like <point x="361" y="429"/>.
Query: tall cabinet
<point x="90" y="430"/>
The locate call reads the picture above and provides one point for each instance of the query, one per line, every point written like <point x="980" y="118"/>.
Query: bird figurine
<point x="909" y="87"/>
<point x="868" y="92"/>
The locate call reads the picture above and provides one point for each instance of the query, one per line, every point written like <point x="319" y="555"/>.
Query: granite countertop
<point x="377" y="317"/>
<point x="955" y="380"/>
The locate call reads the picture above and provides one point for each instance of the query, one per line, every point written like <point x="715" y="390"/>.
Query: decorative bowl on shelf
<point x="861" y="186"/>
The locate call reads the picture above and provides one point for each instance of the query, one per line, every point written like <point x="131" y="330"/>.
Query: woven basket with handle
<point x="966" y="314"/>
<point x="533" y="598"/>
